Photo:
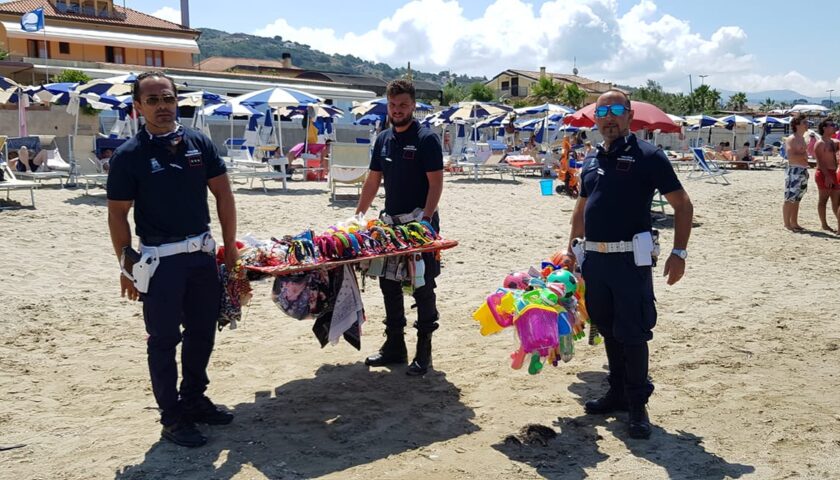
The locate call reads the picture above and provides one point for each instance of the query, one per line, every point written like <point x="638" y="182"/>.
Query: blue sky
<point x="739" y="45"/>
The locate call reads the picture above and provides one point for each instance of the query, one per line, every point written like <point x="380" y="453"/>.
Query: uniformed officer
<point x="410" y="159"/>
<point x="164" y="173"/>
<point x="618" y="181"/>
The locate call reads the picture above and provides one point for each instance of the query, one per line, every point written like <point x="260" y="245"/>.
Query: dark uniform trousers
<point x="184" y="290"/>
<point x="620" y="300"/>
<point x="426" y="301"/>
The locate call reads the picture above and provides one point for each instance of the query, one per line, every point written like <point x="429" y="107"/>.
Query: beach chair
<point x="348" y="166"/>
<point x="707" y="169"/>
<point x="10" y="182"/>
<point x="658" y="201"/>
<point x="85" y="165"/>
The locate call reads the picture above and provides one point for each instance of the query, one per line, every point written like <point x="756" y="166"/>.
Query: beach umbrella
<point x="322" y="110"/>
<point x="199" y="99"/>
<point x="645" y="117"/>
<point x="701" y="120"/>
<point x="533" y="124"/>
<point x="494" y="121"/>
<point x="231" y="109"/>
<point x="369" y="119"/>
<point x="808" y="109"/>
<point x="114" y="86"/>
<point x="772" y="120"/>
<point x="277" y="97"/>
<point x="545" y="108"/>
<point x="736" y="120"/>
<point x="473" y="111"/>
<point x="379" y="106"/>
<point x="678" y="120"/>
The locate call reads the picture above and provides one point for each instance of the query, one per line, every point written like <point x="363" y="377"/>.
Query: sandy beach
<point x="744" y="357"/>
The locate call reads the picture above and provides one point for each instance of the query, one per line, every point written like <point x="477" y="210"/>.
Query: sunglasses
<point x="617" y="110"/>
<point x="167" y="99"/>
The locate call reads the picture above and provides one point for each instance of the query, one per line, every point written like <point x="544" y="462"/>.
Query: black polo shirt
<point x="404" y="159"/>
<point x="619" y="187"/>
<point x="169" y="190"/>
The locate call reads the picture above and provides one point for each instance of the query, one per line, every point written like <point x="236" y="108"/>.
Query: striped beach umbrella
<point x="277" y="97"/>
<point x="379" y="106"/>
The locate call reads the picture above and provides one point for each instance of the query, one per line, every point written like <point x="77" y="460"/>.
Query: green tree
<point x="4" y="54"/>
<point x="453" y="93"/>
<point x="481" y="92"/>
<point x="767" y="105"/>
<point x="706" y="99"/>
<point x="71" y="76"/>
<point x="737" y="102"/>
<point x="573" y="96"/>
<point x="546" y="90"/>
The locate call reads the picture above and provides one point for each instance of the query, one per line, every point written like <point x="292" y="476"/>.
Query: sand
<point x="744" y="357"/>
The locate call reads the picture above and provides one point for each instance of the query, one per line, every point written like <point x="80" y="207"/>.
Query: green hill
<point x="218" y="43"/>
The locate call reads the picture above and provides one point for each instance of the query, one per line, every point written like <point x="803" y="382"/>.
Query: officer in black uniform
<point x="618" y="181"/>
<point x="164" y="173"/>
<point x="410" y="159"/>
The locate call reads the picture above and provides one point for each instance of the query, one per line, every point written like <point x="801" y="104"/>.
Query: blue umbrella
<point x="119" y="85"/>
<point x="701" y="120"/>
<point x="278" y="97"/>
<point x="370" y="119"/>
<point x="379" y="106"/>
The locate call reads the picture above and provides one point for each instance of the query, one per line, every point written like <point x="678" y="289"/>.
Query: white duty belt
<point x="198" y="243"/>
<point x="608" y="247"/>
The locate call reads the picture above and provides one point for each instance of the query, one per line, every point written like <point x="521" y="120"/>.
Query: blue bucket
<point x="547" y="186"/>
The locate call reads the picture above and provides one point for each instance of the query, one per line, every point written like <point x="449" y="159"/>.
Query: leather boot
<point x="392" y="352"/>
<point x="639" y="422"/>
<point x="423" y="359"/>
<point x="609" y="403"/>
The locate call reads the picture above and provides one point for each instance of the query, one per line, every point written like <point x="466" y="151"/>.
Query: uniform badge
<point x="409" y="152"/>
<point x="156" y="167"/>
<point x="193" y="158"/>
<point x="624" y="162"/>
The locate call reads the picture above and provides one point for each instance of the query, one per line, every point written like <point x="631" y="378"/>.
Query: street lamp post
<point x="702" y="79"/>
<point x="830" y="103"/>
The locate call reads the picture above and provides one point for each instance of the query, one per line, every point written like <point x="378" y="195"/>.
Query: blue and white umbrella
<point x="57" y="93"/>
<point x="321" y="111"/>
<point x="551" y="108"/>
<point x="114" y="86"/>
<point x="230" y="110"/>
<point x="369" y="119"/>
<point x="736" y="120"/>
<point x="533" y="124"/>
<point x="701" y="120"/>
<point x="494" y="121"/>
<point x="379" y="106"/>
<point x="772" y="120"/>
<point x="473" y="111"/>
<point x="278" y="97"/>
<point x="199" y="99"/>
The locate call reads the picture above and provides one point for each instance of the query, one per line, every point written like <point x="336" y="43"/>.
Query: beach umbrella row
<point x="379" y="106"/>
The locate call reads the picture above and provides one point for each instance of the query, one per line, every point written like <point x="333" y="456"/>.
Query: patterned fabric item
<point x="236" y="291"/>
<point x="796" y="183"/>
<point x="303" y="295"/>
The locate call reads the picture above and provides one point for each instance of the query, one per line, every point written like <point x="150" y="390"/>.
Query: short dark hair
<point x="824" y="123"/>
<point x="135" y="89"/>
<point x="397" y="87"/>
<point x="796" y="120"/>
<point x="620" y="92"/>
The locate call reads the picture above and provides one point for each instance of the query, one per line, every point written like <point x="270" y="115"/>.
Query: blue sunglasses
<point x="617" y="110"/>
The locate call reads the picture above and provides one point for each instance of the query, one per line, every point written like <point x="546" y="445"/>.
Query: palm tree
<point x="737" y="102"/>
<point x="573" y="96"/>
<point x="767" y="105"/>
<point x="546" y="90"/>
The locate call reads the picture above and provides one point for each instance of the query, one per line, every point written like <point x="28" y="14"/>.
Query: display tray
<point x="290" y="269"/>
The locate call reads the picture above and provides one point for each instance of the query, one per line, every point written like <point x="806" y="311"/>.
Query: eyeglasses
<point x="617" y="110"/>
<point x="167" y="99"/>
<point x="831" y="124"/>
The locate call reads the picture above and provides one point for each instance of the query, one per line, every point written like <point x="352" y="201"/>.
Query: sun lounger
<point x="707" y="169"/>
<point x="348" y="166"/>
<point x="10" y="182"/>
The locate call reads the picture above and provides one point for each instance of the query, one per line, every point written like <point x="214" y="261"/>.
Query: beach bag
<point x="302" y="295"/>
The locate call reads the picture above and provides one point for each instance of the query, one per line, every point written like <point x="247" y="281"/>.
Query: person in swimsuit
<point x="826" y="177"/>
<point x="796" y="173"/>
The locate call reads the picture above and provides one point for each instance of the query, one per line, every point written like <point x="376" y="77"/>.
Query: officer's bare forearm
<point x="683" y="217"/>
<point x="226" y="208"/>
<point x="577" y="230"/>
<point x="118" y="226"/>
<point x="369" y="190"/>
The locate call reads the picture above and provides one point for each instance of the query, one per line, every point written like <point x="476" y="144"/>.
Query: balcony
<point x="63" y="6"/>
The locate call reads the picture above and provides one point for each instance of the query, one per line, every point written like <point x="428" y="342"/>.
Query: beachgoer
<point x="105" y="159"/>
<point x="825" y="177"/>
<point x="796" y="173"/>
<point x="812" y="144"/>
<point x="409" y="158"/>
<point x="164" y="172"/>
<point x="23" y="163"/>
<point x="618" y="181"/>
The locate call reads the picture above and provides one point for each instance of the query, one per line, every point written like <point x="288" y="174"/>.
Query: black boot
<point x="423" y="359"/>
<point x="393" y="351"/>
<point x="609" y="403"/>
<point x="639" y="422"/>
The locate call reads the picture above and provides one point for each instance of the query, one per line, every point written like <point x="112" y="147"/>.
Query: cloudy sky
<point x="738" y="45"/>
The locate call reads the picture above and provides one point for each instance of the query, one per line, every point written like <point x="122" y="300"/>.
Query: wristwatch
<point x="682" y="253"/>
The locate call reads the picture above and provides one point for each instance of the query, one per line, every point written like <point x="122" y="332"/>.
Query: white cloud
<point x="168" y="13"/>
<point x="628" y="49"/>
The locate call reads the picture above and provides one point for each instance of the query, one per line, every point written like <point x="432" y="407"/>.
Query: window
<point x="37" y="49"/>
<point x="115" y="54"/>
<point x="154" y="58"/>
<point x="64" y="48"/>
<point x="505" y="85"/>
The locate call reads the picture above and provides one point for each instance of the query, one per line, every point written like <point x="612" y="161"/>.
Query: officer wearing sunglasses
<point x="163" y="173"/>
<point x="618" y="180"/>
